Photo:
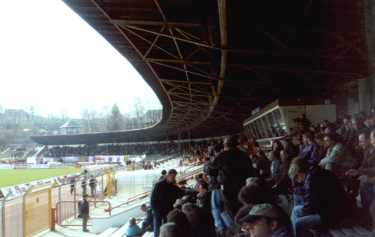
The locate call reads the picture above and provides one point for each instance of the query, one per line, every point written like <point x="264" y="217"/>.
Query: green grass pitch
<point x="19" y="176"/>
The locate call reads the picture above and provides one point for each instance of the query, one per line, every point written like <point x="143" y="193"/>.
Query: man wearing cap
<point x="163" y="196"/>
<point x="266" y="220"/>
<point x="84" y="211"/>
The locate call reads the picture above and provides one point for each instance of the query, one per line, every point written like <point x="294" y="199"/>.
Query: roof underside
<point x="211" y="62"/>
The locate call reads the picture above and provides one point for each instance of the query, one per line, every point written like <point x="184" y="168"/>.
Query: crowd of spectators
<point x="317" y="178"/>
<point x="123" y="149"/>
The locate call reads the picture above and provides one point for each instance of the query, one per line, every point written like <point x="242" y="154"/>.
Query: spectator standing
<point x="93" y="183"/>
<point x="72" y="185"/>
<point x="163" y="196"/>
<point x="84" y="186"/>
<point x="84" y="212"/>
<point x="234" y="167"/>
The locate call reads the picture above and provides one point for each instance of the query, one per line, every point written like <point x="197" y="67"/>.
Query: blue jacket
<point x="133" y="230"/>
<point x="310" y="153"/>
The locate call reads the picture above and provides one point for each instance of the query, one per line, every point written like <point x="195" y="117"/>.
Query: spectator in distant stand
<point x="84" y="212"/>
<point x="93" y="183"/>
<point x="72" y="184"/>
<point x="148" y="221"/>
<point x="84" y="186"/>
<point x="163" y="196"/>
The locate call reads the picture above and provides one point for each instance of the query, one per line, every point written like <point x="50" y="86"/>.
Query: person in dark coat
<point x="84" y="186"/>
<point x="325" y="202"/>
<point x="72" y="185"/>
<point x="92" y="183"/>
<point x="163" y="196"/>
<point x="84" y="212"/>
<point x="234" y="167"/>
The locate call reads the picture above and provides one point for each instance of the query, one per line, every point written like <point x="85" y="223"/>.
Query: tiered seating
<point x="108" y="232"/>
<point x="351" y="232"/>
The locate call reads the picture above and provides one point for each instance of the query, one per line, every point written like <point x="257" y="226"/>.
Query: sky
<point x="51" y="59"/>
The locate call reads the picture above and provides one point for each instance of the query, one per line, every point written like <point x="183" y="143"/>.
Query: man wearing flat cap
<point x="266" y="220"/>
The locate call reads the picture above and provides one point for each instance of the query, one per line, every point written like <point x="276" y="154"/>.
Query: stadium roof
<point x="211" y="62"/>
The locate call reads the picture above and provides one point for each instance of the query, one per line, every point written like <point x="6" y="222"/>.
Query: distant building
<point x="70" y="127"/>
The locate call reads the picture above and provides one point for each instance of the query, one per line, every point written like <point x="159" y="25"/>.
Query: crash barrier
<point x="356" y="231"/>
<point x="31" y="211"/>
<point x="131" y="207"/>
<point x="62" y="212"/>
<point x="185" y="177"/>
<point x="35" y="202"/>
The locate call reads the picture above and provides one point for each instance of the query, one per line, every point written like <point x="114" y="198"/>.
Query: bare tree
<point x="115" y="120"/>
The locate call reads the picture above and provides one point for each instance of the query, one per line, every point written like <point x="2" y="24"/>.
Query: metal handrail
<point x="146" y="194"/>
<point x="132" y="199"/>
<point x="58" y="204"/>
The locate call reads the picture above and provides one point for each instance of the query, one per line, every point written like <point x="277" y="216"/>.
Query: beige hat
<point x="261" y="210"/>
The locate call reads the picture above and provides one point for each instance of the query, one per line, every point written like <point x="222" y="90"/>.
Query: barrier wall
<point x="37" y="207"/>
<point x="30" y="213"/>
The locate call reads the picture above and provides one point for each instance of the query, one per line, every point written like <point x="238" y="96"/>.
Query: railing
<point x="60" y="215"/>
<point x="186" y="176"/>
<point x="13" y="214"/>
<point x="131" y="200"/>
